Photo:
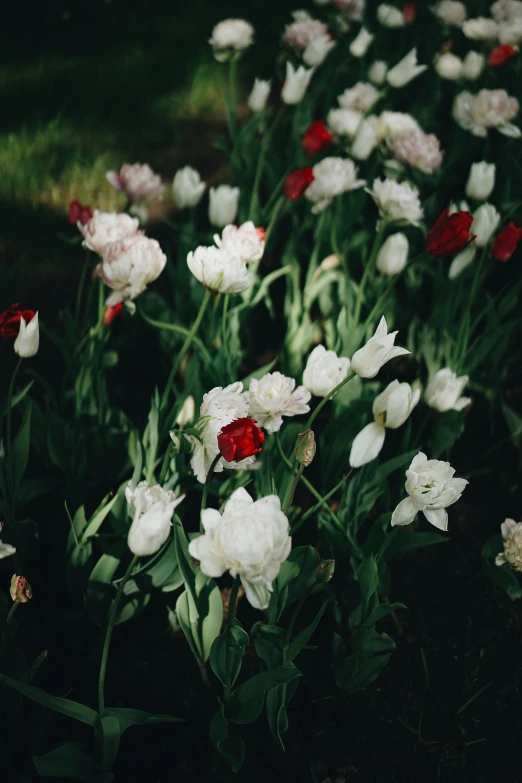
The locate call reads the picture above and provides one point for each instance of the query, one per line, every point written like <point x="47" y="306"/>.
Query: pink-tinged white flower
<point x="153" y="509"/>
<point x="220" y="407"/>
<point x="393" y="255"/>
<point x="219" y="270"/>
<point x="377" y="72"/>
<point x="418" y="149"/>
<point x="230" y="38"/>
<point x="472" y="66"/>
<point x="245" y="241"/>
<point x="368" y="360"/>
<point x="129" y="265"/>
<point x="187" y="187"/>
<point x="258" y="97"/>
<point x="449" y="66"/>
<point x="137" y="181"/>
<point x="361" y="97"/>
<point x="481" y="180"/>
<point x="352" y="9"/>
<point x="451" y="12"/>
<point x="275" y="396"/>
<point x="405" y="71"/>
<point x="431" y="489"/>
<point x="106" y="227"/>
<point x="301" y="33"/>
<point x="332" y="176"/>
<point x="296" y="84"/>
<point x="249" y="539"/>
<point x="480" y="29"/>
<point x="390" y="410"/>
<point x="360" y="44"/>
<point x="222" y="205"/>
<point x="324" y="371"/>
<point x="344" y="122"/>
<point x="488" y="109"/>
<point x="390" y="16"/>
<point x="398" y="202"/>
<point x="391" y="123"/>
<point x="317" y="50"/>
<point x="444" y="390"/>
<point x="365" y="140"/>
<point x="512" y="553"/>
<point x="28" y="341"/>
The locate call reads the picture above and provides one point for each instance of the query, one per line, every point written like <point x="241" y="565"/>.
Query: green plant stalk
<point x="326" y="399"/>
<point x="174" y="328"/>
<point x="81" y="286"/>
<point x="254" y="201"/>
<point x="108" y="634"/>
<point x="291" y="491"/>
<point x="206" y="486"/>
<point x="9" y="442"/>
<point x="232" y="605"/>
<point x="280" y="204"/>
<point x="369" y="267"/>
<point x="184" y="348"/>
<point x="294" y="620"/>
<point x="226" y="301"/>
<point x="391" y="285"/>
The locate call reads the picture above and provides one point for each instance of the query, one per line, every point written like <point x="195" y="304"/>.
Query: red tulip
<point x="449" y="234"/>
<point x="409" y="12"/>
<point x="240" y="439"/>
<point x="10" y="321"/>
<point x="500" y="55"/>
<point x="297" y="182"/>
<point x="111" y="313"/>
<point x="316" y="138"/>
<point x="79" y="213"/>
<point x="505" y="243"/>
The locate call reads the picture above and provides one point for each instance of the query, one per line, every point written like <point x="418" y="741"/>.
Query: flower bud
<point x="365" y="140"/>
<point x="187" y="412"/>
<point x="153" y="509"/>
<point x="473" y="65"/>
<point x="20" y="589"/>
<point x="359" y="45"/>
<point x="485" y="222"/>
<point x="295" y="86"/>
<point x="223" y="203"/>
<point x="316" y="138"/>
<point x="481" y="181"/>
<point x="79" y="213"/>
<point x="28" y="340"/>
<point x="306" y="448"/>
<point x="449" y="66"/>
<point x="187" y="187"/>
<point x="258" y="97"/>
<point x="405" y="71"/>
<point x="377" y="72"/>
<point x="393" y="255"/>
<point x="324" y="571"/>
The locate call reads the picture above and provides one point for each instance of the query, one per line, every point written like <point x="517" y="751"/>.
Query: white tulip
<point x="219" y="270"/>
<point x="250" y="540"/>
<point x="390" y="410"/>
<point x="332" y="176"/>
<point x="187" y="412"/>
<point x="153" y="509"/>
<point x="230" y="38"/>
<point x="485" y="221"/>
<point x="296" y="84"/>
<point x="365" y="141"/>
<point x="344" y="122"/>
<point x="451" y="12"/>
<point x="106" y="227"/>
<point x="461" y="261"/>
<point x="398" y="202"/>
<point x="393" y="255"/>
<point x="187" y="187"/>
<point x="245" y="241"/>
<point x="449" y="66"/>
<point x="473" y="65"/>
<point x="377" y="72"/>
<point x="324" y="371"/>
<point x="258" y="97"/>
<point x="480" y="29"/>
<point x="359" y="45"/>
<point x="512" y="552"/>
<point x="443" y="392"/>
<point x="316" y="51"/>
<point x="222" y="205"/>
<point x="6" y="550"/>
<point x="390" y="16"/>
<point x="481" y="181"/>
<point x="405" y="71"/>
<point x="28" y="340"/>
<point x="431" y="489"/>
<point x="275" y="396"/>
<point x="379" y="349"/>
<point x="128" y="266"/>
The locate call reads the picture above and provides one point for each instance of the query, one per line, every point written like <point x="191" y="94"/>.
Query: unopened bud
<point x="324" y="571"/>
<point x="20" y="589"/>
<point x="328" y="263"/>
<point x="305" y="451"/>
<point x="187" y="412"/>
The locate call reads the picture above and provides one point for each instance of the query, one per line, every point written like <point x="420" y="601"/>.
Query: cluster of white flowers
<point x="418" y="149"/>
<point x="488" y="109"/>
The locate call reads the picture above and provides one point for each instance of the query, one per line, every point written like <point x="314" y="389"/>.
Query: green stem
<point x="208" y="480"/>
<point x="186" y="345"/>
<point x="291" y="491"/>
<point x="232" y="605"/>
<point x="370" y="264"/>
<point x="9" y="444"/>
<point x="322" y="501"/>
<point x="108" y="634"/>
<point x="294" y="620"/>
<point x="174" y="328"/>
<point x="326" y="399"/>
<point x="81" y="286"/>
<point x="254" y="201"/>
<point x="226" y="301"/>
<point x="281" y="202"/>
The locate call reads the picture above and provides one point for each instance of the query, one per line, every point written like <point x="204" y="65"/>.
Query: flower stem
<point x="369" y="268"/>
<point x="291" y="491"/>
<point x="328" y="397"/>
<point x="174" y="328"/>
<point x="81" y="286"/>
<point x="9" y="444"/>
<point x="208" y="480"/>
<point x="294" y="619"/>
<point x="232" y="605"/>
<point x="108" y="633"/>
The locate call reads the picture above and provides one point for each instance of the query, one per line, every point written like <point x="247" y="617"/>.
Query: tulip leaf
<point x="16" y="398"/>
<point x="71" y="760"/>
<point x="96" y="521"/>
<point x="128" y="717"/>
<point x="21" y="446"/>
<point x="301" y="639"/>
<point x="371" y="652"/>
<point x="404" y="541"/>
<point x="449" y="426"/>
<point x="72" y="709"/>
<point x="108" y="736"/>
<point x="231" y="748"/>
<point x="226" y="654"/>
<point x="248" y="700"/>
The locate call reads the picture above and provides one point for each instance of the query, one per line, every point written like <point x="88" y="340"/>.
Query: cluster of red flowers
<point x="79" y="213"/>
<point x="451" y="233"/>
<point x="240" y="439"/>
<point x="10" y="321"/>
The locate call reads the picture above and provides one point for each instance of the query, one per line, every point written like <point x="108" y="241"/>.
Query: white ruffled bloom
<point x="219" y="270"/>
<point x="431" y="489"/>
<point x="368" y="360"/>
<point x="138" y="181"/>
<point x="405" y="71"/>
<point x="222" y="205"/>
<point x="220" y="407"/>
<point x="391" y="123"/>
<point x="230" y="38"/>
<point x="28" y="339"/>
<point x="352" y="9"/>
<point x="485" y="221"/>
<point x="512" y="553"/>
<point x="480" y="29"/>
<point x="187" y="187"/>
<point x="398" y="202"/>
<point x="275" y="396"/>
<point x="153" y="509"/>
<point x="324" y="371"/>
<point x="377" y="72"/>
<point x="418" y="149"/>
<point x="393" y="255"/>
<point x="488" y="109"/>
<point x="106" y="227"/>
<point x="365" y="140"/>
<point x="258" y="97"/>
<point x="444" y="390"/>
<point x="449" y="66"/>
<point x="506" y="10"/>
<point x="250" y="540"/>
<point x="451" y="12"/>
<point x="481" y="180"/>
<point x="296" y="84"/>
<point x="332" y="176"/>
<point x="390" y="410"/>
<point x="316" y="51"/>
<point x="245" y="241"/>
<point x="361" y="97"/>
<point x="359" y="45"/>
<point x="300" y="33"/>
<point x="473" y="65"/>
<point x="6" y="550"/>
<point x="128" y="266"/>
<point x="461" y="261"/>
<point x="510" y="32"/>
<point x="390" y="16"/>
<point x="344" y="122"/>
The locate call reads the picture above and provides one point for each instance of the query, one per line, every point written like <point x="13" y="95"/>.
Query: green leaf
<point x="71" y="760"/>
<point x="301" y="639"/>
<point x="248" y="700"/>
<point x="405" y="541"/>
<point x="231" y="748"/>
<point x="226" y="654"/>
<point x="201" y="622"/>
<point x="97" y="520"/>
<point x="380" y="611"/>
<point x="16" y="398"/>
<point x="21" y="446"/>
<point x="279" y="595"/>
<point x="449" y="426"/>
<point x="128" y="717"/>
<point x="160" y="572"/>
<point x="108" y="740"/>
<point x="72" y="709"/>
<point x="505" y="578"/>
<point x="276" y="713"/>
<point x="185" y="562"/>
